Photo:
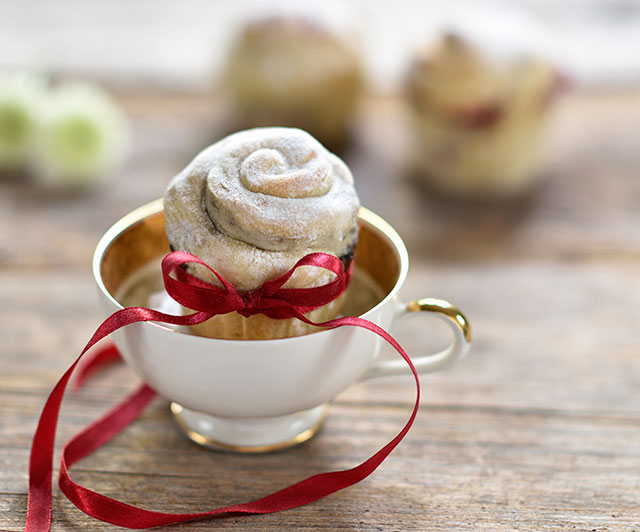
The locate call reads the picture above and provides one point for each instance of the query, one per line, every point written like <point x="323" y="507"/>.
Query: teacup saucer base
<point x="259" y="435"/>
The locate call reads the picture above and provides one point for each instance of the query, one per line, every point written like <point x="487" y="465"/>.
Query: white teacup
<point x="263" y="395"/>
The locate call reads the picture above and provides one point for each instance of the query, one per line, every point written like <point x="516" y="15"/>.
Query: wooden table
<point x="538" y="429"/>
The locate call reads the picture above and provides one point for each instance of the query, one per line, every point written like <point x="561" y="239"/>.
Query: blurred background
<point x="165" y="92"/>
<point x="181" y="46"/>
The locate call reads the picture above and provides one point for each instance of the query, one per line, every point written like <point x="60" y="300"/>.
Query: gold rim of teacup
<point x="216" y="445"/>
<point x="154" y="207"/>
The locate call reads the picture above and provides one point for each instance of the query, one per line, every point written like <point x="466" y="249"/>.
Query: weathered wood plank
<point x="535" y="425"/>
<point x="455" y="472"/>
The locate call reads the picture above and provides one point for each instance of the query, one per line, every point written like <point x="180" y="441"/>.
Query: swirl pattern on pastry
<point x="255" y="202"/>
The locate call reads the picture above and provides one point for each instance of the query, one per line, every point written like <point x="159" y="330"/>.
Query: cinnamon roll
<point x="296" y="72"/>
<point x="253" y="204"/>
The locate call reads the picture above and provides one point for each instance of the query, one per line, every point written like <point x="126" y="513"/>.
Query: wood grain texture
<point x="538" y="429"/>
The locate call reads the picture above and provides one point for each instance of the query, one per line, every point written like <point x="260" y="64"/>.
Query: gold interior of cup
<point x="140" y="237"/>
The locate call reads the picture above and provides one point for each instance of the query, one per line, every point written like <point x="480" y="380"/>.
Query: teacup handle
<point x="435" y="361"/>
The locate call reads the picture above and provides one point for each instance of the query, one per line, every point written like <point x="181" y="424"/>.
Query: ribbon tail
<point x="298" y="494"/>
<point x="40" y="463"/>
<point x="41" y="458"/>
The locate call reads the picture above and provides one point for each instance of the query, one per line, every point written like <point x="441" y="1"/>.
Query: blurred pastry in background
<point x="84" y="136"/>
<point x="21" y="102"/>
<point x="296" y="72"/>
<point x="479" y="122"/>
<point x="65" y="137"/>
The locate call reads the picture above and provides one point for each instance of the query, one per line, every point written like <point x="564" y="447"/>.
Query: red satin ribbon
<point x="208" y="300"/>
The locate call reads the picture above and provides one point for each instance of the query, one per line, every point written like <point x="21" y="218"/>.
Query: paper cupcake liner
<point x="233" y="326"/>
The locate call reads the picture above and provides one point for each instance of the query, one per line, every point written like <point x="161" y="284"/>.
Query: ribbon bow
<point x="270" y="299"/>
<point x="207" y="300"/>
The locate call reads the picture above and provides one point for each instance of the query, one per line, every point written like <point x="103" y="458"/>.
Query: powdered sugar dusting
<point x="255" y="202"/>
